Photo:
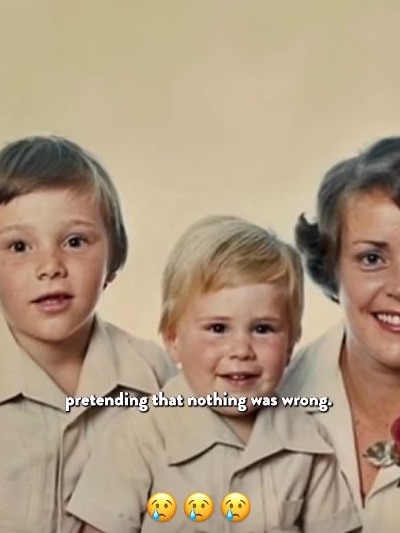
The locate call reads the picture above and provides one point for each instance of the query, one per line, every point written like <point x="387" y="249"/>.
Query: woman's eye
<point x="217" y="328"/>
<point x="18" y="246"/>
<point x="370" y="259"/>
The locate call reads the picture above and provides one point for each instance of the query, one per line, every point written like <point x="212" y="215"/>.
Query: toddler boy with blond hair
<point x="232" y="303"/>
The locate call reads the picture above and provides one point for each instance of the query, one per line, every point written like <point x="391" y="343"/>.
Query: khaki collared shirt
<point x="42" y="448"/>
<point x="287" y="470"/>
<point x="315" y="371"/>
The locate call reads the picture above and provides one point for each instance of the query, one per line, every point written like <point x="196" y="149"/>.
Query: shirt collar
<point x="20" y="375"/>
<point x="191" y="431"/>
<point x="113" y="359"/>
<point x="315" y="371"/>
<point x="11" y="379"/>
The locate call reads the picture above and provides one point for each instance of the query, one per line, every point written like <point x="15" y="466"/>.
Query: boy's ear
<point x="171" y="343"/>
<point x="109" y="279"/>
<point x="291" y="346"/>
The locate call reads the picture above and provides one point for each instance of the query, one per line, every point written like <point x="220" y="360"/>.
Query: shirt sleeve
<point x="329" y="506"/>
<point x="113" y="490"/>
<point x="159" y="361"/>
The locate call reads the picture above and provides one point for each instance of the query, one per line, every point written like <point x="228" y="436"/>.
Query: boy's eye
<point x="77" y="241"/>
<point x="263" y="328"/>
<point x="18" y="246"/>
<point x="218" y="327"/>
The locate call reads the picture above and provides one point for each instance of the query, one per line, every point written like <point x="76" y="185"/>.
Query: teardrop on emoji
<point x="198" y="507"/>
<point x="161" y="506"/>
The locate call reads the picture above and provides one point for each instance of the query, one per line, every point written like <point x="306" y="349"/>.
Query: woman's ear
<point x="171" y="342"/>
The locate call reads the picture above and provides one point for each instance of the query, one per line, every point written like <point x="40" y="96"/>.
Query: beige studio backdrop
<point x="199" y="107"/>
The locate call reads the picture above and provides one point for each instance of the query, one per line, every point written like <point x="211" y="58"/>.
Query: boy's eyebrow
<point x="14" y="227"/>
<point x="268" y="318"/>
<point x="24" y="227"/>
<point x="81" y="222"/>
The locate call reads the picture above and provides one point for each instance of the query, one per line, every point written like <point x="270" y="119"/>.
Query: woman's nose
<point x="393" y="281"/>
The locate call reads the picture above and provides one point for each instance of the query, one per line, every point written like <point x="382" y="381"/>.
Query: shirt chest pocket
<point x="28" y="467"/>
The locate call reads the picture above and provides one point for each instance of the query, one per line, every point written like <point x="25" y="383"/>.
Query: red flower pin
<point x="395" y="433"/>
<point x="386" y="453"/>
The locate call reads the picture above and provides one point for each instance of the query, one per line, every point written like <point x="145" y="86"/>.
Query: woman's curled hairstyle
<point x="377" y="168"/>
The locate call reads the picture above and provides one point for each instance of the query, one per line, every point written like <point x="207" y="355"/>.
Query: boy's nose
<point x="241" y="347"/>
<point x="50" y="266"/>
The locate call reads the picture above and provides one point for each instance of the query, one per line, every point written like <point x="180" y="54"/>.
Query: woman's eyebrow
<point x="377" y="244"/>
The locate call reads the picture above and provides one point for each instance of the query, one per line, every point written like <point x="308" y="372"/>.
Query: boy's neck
<point x="62" y="360"/>
<point x="241" y="425"/>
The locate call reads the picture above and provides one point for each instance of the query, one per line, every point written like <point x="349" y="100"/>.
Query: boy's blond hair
<point x="51" y="162"/>
<point x="225" y="251"/>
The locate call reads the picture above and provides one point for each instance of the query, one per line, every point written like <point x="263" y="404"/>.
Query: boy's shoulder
<point x="297" y="430"/>
<point x="129" y="351"/>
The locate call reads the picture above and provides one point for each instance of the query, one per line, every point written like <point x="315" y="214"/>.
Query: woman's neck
<point x="372" y="387"/>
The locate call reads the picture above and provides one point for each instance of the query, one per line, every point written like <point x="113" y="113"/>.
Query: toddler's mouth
<point x="239" y="378"/>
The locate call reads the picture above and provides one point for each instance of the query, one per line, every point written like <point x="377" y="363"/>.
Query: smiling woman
<point x="352" y="251"/>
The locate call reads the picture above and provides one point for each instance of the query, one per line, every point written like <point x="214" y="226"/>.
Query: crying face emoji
<point x="235" y="507"/>
<point x="198" y="507"/>
<point x="161" y="506"/>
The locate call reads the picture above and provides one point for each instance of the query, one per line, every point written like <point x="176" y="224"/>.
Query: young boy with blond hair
<point x="62" y="241"/>
<point x="231" y="313"/>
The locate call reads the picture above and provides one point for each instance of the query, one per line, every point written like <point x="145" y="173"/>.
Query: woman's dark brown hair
<point x="376" y="168"/>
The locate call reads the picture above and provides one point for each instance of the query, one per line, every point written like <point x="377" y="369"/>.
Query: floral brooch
<point x="384" y="453"/>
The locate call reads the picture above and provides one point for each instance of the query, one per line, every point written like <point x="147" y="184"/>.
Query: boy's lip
<point x="245" y="373"/>
<point x="240" y="376"/>
<point x="55" y="295"/>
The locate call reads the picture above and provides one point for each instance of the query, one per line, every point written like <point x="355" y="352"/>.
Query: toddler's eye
<point x="18" y="246"/>
<point x="263" y="329"/>
<point x="217" y="328"/>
